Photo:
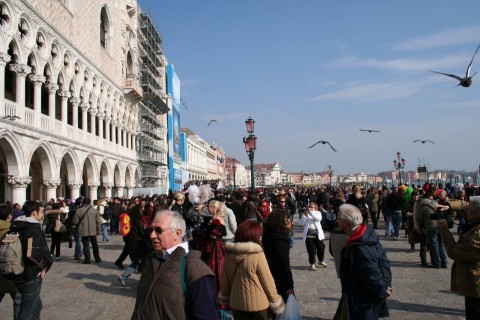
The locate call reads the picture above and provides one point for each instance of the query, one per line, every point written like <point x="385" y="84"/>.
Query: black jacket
<point x="31" y="228"/>
<point x="277" y="251"/>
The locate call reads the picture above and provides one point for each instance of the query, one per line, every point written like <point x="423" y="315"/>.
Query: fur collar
<point x="243" y="247"/>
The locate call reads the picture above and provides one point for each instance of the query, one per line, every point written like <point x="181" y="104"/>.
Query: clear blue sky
<point x="308" y="70"/>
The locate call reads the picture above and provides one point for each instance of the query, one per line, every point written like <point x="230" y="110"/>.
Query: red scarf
<point x="356" y="234"/>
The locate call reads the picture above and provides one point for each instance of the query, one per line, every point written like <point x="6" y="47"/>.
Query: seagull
<point x="369" y="130"/>
<point x="423" y="141"/>
<point x="11" y="118"/>
<point x="467" y="80"/>
<point x="322" y="142"/>
<point x="212" y="121"/>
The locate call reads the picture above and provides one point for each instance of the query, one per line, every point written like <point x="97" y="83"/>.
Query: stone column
<point x="19" y="189"/>
<point x="114" y="131"/>
<point x="101" y="117"/>
<point x="119" y="134"/>
<point x="52" y="186"/>
<point x="108" y="189"/>
<point x="107" y="128"/>
<point x="128" y="142"/>
<point x="120" y="190"/>
<point x="93" y="190"/>
<point x="93" y="113"/>
<point x="75" y="188"/>
<point x="52" y="89"/>
<point x="21" y="71"/>
<point x="37" y="80"/>
<point x="75" y="102"/>
<point x="4" y="59"/>
<point x="134" y="142"/>
<point x="64" y="95"/>
<point x="129" y="192"/>
<point x="85" y="107"/>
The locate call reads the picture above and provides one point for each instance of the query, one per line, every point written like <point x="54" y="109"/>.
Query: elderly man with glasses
<point x="176" y="283"/>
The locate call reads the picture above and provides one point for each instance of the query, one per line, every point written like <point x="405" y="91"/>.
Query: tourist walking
<point x="88" y="226"/>
<point x="313" y="235"/>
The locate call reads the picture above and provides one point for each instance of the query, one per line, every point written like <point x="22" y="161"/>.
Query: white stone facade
<point x="68" y="98"/>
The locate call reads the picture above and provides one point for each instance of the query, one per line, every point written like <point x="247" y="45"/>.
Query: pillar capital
<point x="65" y="94"/>
<point x="93" y="111"/>
<point x="93" y="184"/>
<point x="52" y="183"/>
<point x="85" y="106"/>
<point x="108" y="119"/>
<point x="75" y="184"/>
<point x="4" y="59"/>
<point x="75" y="100"/>
<point x="101" y="115"/>
<point x="52" y="87"/>
<point x="119" y="185"/>
<point x="108" y="185"/>
<point x="37" y="78"/>
<point x="19" y="182"/>
<point x="20" y="69"/>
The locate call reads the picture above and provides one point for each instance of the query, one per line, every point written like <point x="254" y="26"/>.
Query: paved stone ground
<point x="72" y="290"/>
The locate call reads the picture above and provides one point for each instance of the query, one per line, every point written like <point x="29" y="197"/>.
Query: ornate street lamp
<point x="399" y="164"/>
<point x="234" y="169"/>
<point x="250" y="147"/>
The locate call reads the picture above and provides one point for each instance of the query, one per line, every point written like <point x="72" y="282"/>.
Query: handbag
<point x="59" y="227"/>
<point x="291" y="311"/>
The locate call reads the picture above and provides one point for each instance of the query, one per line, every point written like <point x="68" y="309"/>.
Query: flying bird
<point x="424" y="141"/>
<point x="11" y="118"/>
<point x="322" y="142"/>
<point x="212" y="121"/>
<point x="467" y="80"/>
<point x="370" y="130"/>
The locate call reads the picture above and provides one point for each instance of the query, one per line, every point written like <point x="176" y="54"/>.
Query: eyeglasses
<point x="158" y="230"/>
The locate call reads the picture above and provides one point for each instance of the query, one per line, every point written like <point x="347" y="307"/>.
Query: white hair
<point x="176" y="220"/>
<point x="351" y="215"/>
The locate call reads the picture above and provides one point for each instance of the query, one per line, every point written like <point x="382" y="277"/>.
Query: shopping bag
<point x="291" y="311"/>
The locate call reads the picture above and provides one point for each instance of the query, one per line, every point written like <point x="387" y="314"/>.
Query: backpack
<point x="11" y="255"/>
<point x="107" y="213"/>
<point x="125" y="225"/>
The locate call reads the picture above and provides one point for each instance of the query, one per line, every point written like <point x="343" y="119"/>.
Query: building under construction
<point x="152" y="139"/>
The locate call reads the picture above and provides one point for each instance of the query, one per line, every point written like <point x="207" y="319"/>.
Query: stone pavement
<point x="72" y="290"/>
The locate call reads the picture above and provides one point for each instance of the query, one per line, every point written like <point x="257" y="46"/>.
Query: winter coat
<point x="91" y="224"/>
<point x="160" y="294"/>
<point x="365" y="275"/>
<point x="230" y="224"/>
<point x="246" y="279"/>
<point x="4" y="228"/>
<point x="250" y="211"/>
<point x="421" y="215"/>
<point x="316" y="218"/>
<point x="53" y="215"/>
<point x="29" y="227"/>
<point x="466" y="254"/>
<point x="277" y="250"/>
<point x="136" y="239"/>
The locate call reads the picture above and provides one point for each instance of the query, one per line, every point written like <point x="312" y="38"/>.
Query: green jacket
<point x="466" y="254"/>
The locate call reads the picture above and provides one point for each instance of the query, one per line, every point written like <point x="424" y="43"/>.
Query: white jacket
<point x="316" y="217"/>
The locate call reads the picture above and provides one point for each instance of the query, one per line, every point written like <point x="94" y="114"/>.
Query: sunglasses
<point x="158" y="230"/>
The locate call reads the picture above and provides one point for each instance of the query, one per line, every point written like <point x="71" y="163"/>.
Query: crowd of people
<point x="230" y="250"/>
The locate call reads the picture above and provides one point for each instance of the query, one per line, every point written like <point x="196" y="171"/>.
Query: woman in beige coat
<point x="246" y="282"/>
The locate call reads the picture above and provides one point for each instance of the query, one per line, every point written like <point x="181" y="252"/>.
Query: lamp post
<point x="234" y="169"/>
<point x="250" y="147"/>
<point x="399" y="164"/>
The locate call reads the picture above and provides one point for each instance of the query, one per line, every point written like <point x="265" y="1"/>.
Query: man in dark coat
<point x="364" y="269"/>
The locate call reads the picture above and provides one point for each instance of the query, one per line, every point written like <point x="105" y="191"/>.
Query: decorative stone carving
<point x="85" y="106"/>
<point x="52" y="183"/>
<point x="93" y="184"/>
<point x="21" y="69"/>
<point x="108" y="185"/>
<point x="19" y="182"/>
<point x="65" y="94"/>
<point x="52" y="87"/>
<point x="4" y="59"/>
<point x="75" y="101"/>
<point x="37" y="78"/>
<point x="75" y="184"/>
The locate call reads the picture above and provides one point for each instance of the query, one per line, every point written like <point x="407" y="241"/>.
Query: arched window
<point x="104" y="28"/>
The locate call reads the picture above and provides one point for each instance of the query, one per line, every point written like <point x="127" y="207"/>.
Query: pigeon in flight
<point x="467" y="80"/>
<point x="212" y="121"/>
<point x="370" y="130"/>
<point x="322" y="142"/>
<point x="424" y="141"/>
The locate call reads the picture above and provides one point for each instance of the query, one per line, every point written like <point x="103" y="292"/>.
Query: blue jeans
<point x="27" y="303"/>
<point x="389" y="231"/>
<point x="105" y="232"/>
<point x="78" y="244"/>
<point x="130" y="269"/>
<point x="396" y="220"/>
<point x="438" y="255"/>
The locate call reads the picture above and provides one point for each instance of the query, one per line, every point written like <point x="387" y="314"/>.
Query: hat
<point x="17" y="213"/>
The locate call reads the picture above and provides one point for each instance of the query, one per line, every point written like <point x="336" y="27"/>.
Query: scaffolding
<point x="152" y="139"/>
